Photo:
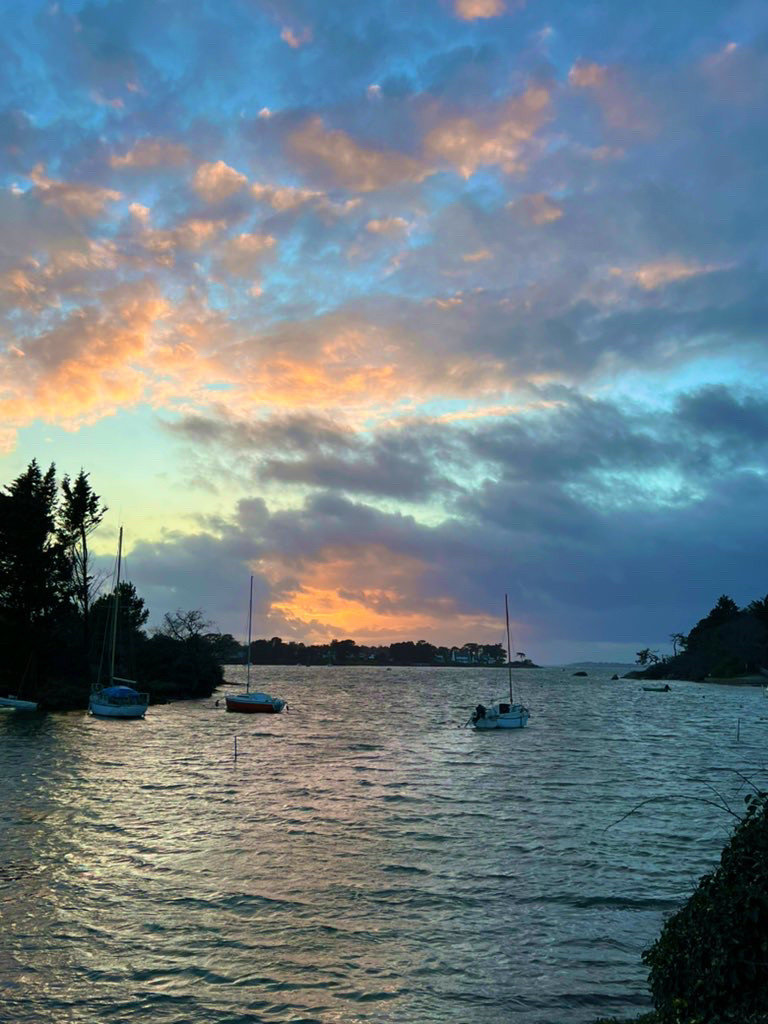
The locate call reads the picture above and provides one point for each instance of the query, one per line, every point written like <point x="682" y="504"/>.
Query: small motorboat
<point x="657" y="689"/>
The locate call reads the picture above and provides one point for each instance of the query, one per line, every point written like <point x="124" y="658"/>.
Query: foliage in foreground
<point x="710" y="962"/>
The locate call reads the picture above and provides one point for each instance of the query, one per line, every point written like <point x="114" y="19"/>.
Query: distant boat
<point x="118" y="698"/>
<point x="253" y="703"/>
<point x="657" y="689"/>
<point x="501" y="714"/>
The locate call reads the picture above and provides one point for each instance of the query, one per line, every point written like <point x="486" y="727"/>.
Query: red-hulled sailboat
<point x="253" y="703"/>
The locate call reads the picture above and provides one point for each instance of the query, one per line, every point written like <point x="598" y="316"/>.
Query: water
<point x="363" y="859"/>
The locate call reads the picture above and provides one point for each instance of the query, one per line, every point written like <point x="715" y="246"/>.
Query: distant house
<point x="460" y="656"/>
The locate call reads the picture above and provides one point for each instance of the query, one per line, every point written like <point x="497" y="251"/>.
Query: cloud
<point x="76" y="200"/>
<point x="284" y="197"/>
<point x="390" y="226"/>
<point x="587" y="75"/>
<point x="293" y="40"/>
<point x="152" y="153"/>
<point x="216" y="181"/>
<point x="187" y="235"/>
<point x="655" y="275"/>
<point x="538" y="208"/>
<point x="346" y="162"/>
<point x="470" y="10"/>
<point x="496" y="137"/>
<point x="244" y="254"/>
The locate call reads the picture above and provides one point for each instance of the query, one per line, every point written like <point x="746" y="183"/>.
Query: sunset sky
<point x="397" y="306"/>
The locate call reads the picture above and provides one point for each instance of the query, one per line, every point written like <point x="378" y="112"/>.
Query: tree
<point x="759" y="609"/>
<point x="80" y="513"/>
<point x="180" y="658"/>
<point x="678" y="640"/>
<point x="184" y="626"/>
<point x="34" y="574"/>
<point x="132" y="617"/>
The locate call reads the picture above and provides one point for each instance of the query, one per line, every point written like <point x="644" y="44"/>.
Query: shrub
<point x="710" y="962"/>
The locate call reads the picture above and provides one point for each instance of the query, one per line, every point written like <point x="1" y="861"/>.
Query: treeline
<point x="347" y="652"/>
<point x="54" y="614"/>
<point x="727" y="643"/>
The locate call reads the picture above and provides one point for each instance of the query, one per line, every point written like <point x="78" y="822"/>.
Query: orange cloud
<point x="471" y="10"/>
<point x="162" y="243"/>
<point x="134" y="346"/>
<point x="351" y="164"/>
<point x="538" y="208"/>
<point x="243" y="254"/>
<point x="391" y="226"/>
<point x="496" y="137"/>
<point x="216" y="181"/>
<point x="152" y="153"/>
<point x="294" y="40"/>
<point x="655" y="275"/>
<point x="284" y="197"/>
<point x="329" y="602"/>
<point x="587" y="75"/>
<point x="76" y="200"/>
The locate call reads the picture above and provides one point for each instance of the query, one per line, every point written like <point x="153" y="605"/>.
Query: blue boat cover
<point x="119" y="691"/>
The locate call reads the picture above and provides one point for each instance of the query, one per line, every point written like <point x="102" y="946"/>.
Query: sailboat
<point x="251" y="703"/>
<point x="17" y="703"/>
<point x="118" y="698"/>
<point x="501" y="714"/>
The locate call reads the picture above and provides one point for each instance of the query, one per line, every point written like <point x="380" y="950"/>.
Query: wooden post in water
<point x="235" y="747"/>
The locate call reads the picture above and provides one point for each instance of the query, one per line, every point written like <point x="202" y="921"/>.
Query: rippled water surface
<point x="364" y="858"/>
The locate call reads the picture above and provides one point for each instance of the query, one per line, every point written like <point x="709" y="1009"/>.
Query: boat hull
<point x="118" y="702"/>
<point x="117" y="711"/>
<point x="495" y="717"/>
<point x="254" y="704"/>
<point x="18" y="705"/>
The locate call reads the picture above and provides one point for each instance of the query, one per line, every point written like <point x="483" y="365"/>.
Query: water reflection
<point x="364" y="857"/>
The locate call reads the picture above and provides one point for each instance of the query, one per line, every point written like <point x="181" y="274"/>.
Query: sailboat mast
<point x="115" y="607"/>
<point x="509" y="648"/>
<point x="250" y="619"/>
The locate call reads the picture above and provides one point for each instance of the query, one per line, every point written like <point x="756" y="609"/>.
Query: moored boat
<point x="19" y="705"/>
<point x="117" y="698"/>
<point x="253" y="703"/>
<point x="501" y="714"/>
<point x="118" y="701"/>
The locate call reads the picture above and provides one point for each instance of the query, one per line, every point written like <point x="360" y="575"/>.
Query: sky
<point x="397" y="307"/>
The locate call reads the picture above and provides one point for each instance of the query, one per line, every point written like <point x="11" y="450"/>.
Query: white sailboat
<point x="253" y="703"/>
<point x="118" y="698"/>
<point x="501" y="714"/>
